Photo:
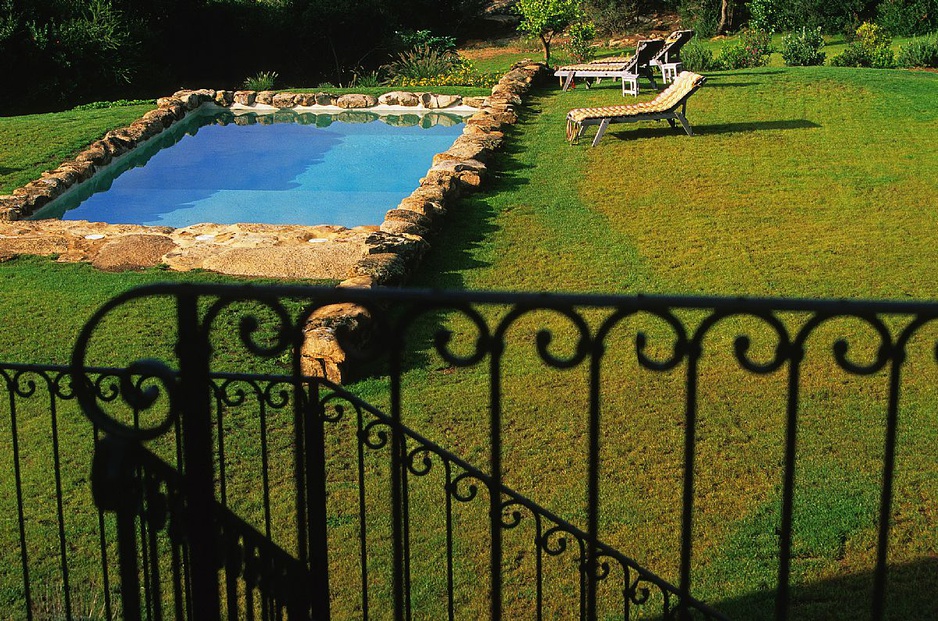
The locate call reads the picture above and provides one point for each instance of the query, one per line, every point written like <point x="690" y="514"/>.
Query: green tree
<point x="545" y="18"/>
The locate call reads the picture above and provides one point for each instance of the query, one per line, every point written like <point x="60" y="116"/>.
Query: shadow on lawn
<point x="911" y="593"/>
<point x="661" y="130"/>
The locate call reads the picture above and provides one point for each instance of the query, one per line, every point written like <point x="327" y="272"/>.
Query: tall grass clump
<point x="261" y="81"/>
<point x="804" y="48"/>
<point x="919" y="52"/>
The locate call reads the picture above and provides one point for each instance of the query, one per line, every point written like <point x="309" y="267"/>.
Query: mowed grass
<point x="801" y="182"/>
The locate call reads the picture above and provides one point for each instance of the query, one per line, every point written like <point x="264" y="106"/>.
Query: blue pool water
<point x="304" y="171"/>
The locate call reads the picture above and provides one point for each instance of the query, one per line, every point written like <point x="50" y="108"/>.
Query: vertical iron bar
<point x="539" y="567"/>
<point x="222" y="473"/>
<point x="265" y="466"/>
<point x="397" y="534"/>
<point x="788" y="484"/>
<point x="198" y="484"/>
<point x="405" y="516"/>
<point x="153" y="544"/>
<point x="60" y="513"/>
<point x="690" y="430"/>
<point x="593" y="481"/>
<point x="495" y="496"/>
<point x="315" y="448"/>
<point x="362" y="536"/>
<point x="127" y="555"/>
<point x="889" y="465"/>
<point x="102" y="541"/>
<point x="450" y="609"/>
<point x="21" y="518"/>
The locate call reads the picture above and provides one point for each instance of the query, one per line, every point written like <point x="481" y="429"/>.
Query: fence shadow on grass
<point x="912" y="593"/>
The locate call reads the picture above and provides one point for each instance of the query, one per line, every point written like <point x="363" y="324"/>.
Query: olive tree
<point x="545" y="18"/>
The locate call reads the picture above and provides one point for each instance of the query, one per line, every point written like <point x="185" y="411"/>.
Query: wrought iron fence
<point x="226" y="493"/>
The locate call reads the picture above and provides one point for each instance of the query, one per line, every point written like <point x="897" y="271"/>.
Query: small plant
<point x="580" y="46"/>
<point x="423" y="62"/>
<point x="366" y="80"/>
<point x="919" y="52"/>
<point x="262" y="81"/>
<point x="870" y="48"/>
<point x="804" y="48"/>
<point x="752" y="50"/>
<point x="696" y="57"/>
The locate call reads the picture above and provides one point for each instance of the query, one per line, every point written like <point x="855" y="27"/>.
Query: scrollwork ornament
<point x="249" y="325"/>
<point x="230" y="393"/>
<point x="374" y="439"/>
<point x="277" y="394"/>
<point x="333" y="407"/>
<point x="444" y="337"/>
<point x="511" y="518"/>
<point x="419" y="460"/>
<point x="22" y="384"/>
<point x="638" y="595"/>
<point x="471" y="489"/>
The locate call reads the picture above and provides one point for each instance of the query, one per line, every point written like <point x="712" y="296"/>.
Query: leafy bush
<point x="612" y="16"/>
<point x="702" y="16"/>
<point x="262" y="81"/>
<point x="696" y="57"/>
<point x="752" y="50"/>
<point x="803" y="49"/>
<point x="870" y="48"/>
<point x="426" y="38"/>
<point x="768" y="15"/>
<point x="580" y="46"/>
<point x="919" y="52"/>
<point x="908" y="17"/>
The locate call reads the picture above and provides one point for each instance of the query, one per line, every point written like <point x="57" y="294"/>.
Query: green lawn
<point x="801" y="182"/>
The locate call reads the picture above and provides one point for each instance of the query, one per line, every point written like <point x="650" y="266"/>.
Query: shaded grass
<point x="35" y="143"/>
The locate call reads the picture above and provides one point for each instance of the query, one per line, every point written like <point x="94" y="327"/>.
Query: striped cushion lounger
<point x="670" y="105"/>
<point x="625" y="69"/>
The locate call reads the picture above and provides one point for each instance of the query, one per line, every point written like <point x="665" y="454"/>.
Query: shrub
<point x="456" y="71"/>
<point x="423" y="61"/>
<point x="909" y="17"/>
<point x="580" y="46"/>
<point x="696" y="57"/>
<point x="768" y="15"/>
<point x="612" y="15"/>
<point x="870" y="48"/>
<point x="803" y="49"/>
<point x="262" y="81"/>
<point x="426" y="38"/>
<point x="752" y="50"/>
<point x="700" y="15"/>
<point x="919" y="52"/>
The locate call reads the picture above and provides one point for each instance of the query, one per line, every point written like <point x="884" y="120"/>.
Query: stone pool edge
<point x="390" y="252"/>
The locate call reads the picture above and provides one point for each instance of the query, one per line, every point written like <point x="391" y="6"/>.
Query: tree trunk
<point x="726" y="16"/>
<point x="545" y="39"/>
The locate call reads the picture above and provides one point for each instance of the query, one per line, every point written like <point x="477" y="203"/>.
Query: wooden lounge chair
<point x="626" y="69"/>
<point x="670" y="105"/>
<point x="668" y="58"/>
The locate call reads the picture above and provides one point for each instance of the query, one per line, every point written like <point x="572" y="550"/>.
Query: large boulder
<point x="305" y="99"/>
<point x="331" y="336"/>
<point x="399" y="98"/>
<point x="283" y="100"/>
<point x="356" y="100"/>
<point x="326" y="99"/>
<point x="132" y="252"/>
<point x="435" y="102"/>
<point x="265" y="97"/>
<point x="245" y="98"/>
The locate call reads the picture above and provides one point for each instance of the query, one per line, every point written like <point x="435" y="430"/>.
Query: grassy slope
<point x="813" y="182"/>
<point x="801" y="182"/>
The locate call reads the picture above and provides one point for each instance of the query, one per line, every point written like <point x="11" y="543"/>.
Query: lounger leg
<point x="566" y="85"/>
<point x="683" y="120"/>
<point x="599" y="133"/>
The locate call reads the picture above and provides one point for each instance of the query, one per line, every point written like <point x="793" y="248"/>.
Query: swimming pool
<point x="283" y="168"/>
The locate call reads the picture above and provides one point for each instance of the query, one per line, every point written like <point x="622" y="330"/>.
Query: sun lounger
<point x="668" y="58"/>
<point x="670" y="105"/>
<point x="627" y="69"/>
